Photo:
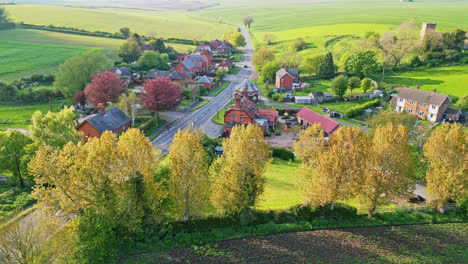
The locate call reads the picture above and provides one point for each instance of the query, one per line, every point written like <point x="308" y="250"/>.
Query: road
<point x="202" y="117"/>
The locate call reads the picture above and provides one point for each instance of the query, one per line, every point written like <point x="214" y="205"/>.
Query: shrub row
<point x="357" y="110"/>
<point x="282" y="153"/>
<point x="148" y="124"/>
<point x="36" y="96"/>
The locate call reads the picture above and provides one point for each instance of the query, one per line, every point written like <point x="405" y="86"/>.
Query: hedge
<point x="357" y="110"/>
<point x="282" y="153"/>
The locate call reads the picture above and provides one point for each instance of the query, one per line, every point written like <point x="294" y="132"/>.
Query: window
<point x="422" y="105"/>
<point x="410" y="110"/>
<point x="433" y="106"/>
<point x="232" y="116"/>
<point x="401" y="99"/>
<point x="241" y="117"/>
<point x="410" y="102"/>
<point x="432" y="115"/>
<point x="421" y="113"/>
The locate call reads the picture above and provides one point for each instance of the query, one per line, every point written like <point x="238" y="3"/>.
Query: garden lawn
<point x="17" y="57"/>
<point x="19" y="116"/>
<point x="219" y="117"/>
<point x="160" y="23"/>
<point x="451" y="80"/>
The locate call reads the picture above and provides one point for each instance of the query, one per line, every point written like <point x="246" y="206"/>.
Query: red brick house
<point x="247" y="89"/>
<point x="187" y="68"/>
<point x="307" y="117"/>
<point x="111" y="120"/>
<point x="206" y="81"/>
<point x="175" y="76"/>
<point x="225" y="64"/>
<point x="145" y="47"/>
<point x="287" y="79"/>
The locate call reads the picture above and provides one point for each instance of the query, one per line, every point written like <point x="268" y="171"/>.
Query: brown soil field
<point x="438" y="243"/>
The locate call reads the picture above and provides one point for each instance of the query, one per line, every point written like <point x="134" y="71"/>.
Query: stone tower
<point x="426" y="28"/>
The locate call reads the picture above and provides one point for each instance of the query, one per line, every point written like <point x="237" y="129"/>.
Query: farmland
<point x="147" y="22"/>
<point x="433" y="243"/>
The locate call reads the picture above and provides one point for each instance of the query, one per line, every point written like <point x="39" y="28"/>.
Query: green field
<point x="19" y="116"/>
<point x="17" y="57"/>
<point x="157" y="23"/>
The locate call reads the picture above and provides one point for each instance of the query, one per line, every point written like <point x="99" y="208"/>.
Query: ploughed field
<point x="437" y="243"/>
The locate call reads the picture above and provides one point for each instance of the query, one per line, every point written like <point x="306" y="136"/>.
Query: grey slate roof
<point x="247" y="86"/>
<point x="175" y="76"/>
<point x="112" y="120"/>
<point x="422" y="96"/>
<point x="282" y="72"/>
<point x="205" y="79"/>
<point x="146" y="47"/>
<point x="451" y="111"/>
<point x="188" y="63"/>
<point x="122" y="71"/>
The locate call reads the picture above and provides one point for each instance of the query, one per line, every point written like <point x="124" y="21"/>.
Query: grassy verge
<point x="222" y="88"/>
<point x="219" y="117"/>
<point x="16" y="218"/>
<point x="200" y="105"/>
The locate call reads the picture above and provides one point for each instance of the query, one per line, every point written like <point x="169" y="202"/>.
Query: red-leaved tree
<point x="160" y="94"/>
<point x="104" y="87"/>
<point x="79" y="98"/>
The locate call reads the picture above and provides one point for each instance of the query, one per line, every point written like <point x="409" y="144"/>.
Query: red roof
<point x="310" y="116"/>
<point x="271" y="114"/>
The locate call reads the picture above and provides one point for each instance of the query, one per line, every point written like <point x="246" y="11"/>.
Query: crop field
<point x="147" y="22"/>
<point x="430" y="243"/>
<point x="19" y="116"/>
<point x="17" y="57"/>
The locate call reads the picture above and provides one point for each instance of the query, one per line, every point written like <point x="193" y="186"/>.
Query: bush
<point x="415" y="61"/>
<point x="464" y="60"/>
<point x="277" y="97"/>
<point x="271" y="93"/>
<point x="282" y="153"/>
<point x="356" y="110"/>
<point x="148" y="124"/>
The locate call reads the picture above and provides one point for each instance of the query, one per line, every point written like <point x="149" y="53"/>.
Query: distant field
<point x="147" y="22"/>
<point x="17" y="57"/>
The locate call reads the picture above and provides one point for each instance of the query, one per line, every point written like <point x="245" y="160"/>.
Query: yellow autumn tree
<point x="237" y="177"/>
<point x="446" y="152"/>
<point x="188" y="173"/>
<point x="311" y="142"/>
<point x="389" y="169"/>
<point x="336" y="170"/>
<point x="110" y="175"/>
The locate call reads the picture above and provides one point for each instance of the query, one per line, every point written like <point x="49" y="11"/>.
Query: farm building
<point x="111" y="120"/>
<point x="303" y="100"/>
<point x="307" y="117"/>
<point x="318" y="97"/>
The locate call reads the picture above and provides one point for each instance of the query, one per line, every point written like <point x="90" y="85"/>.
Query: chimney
<point x="238" y="100"/>
<point x="434" y="90"/>
<point x="282" y="66"/>
<point x="101" y="109"/>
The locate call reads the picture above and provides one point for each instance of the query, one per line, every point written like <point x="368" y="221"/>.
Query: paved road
<point x="202" y="117"/>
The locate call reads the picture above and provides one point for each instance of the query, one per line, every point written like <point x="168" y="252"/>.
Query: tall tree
<point x="298" y="45"/>
<point x="454" y="39"/>
<point x="54" y="129"/>
<point x="311" y="142"/>
<point x="462" y="103"/>
<point x="129" y="51"/>
<point x="188" y="173"/>
<point x="396" y="44"/>
<point x="237" y="176"/>
<point x="339" y="85"/>
<point x="158" y="45"/>
<point x="12" y="149"/>
<point x="291" y="60"/>
<point x="312" y="64"/>
<point x="75" y="73"/>
<point x="261" y="57"/>
<point x="361" y="64"/>
<point x="389" y="168"/>
<point x="353" y="83"/>
<point x="4" y="21"/>
<point x="269" y="71"/>
<point x="269" y="38"/>
<point x="247" y="20"/>
<point x="128" y="104"/>
<point x="154" y="60"/>
<point x="235" y="38"/>
<point x="80" y="98"/>
<point x="327" y="68"/>
<point x="446" y="152"/>
<point x="105" y="87"/>
<point x="125" y="32"/>
<point x="366" y="84"/>
<point x="135" y="37"/>
<point x="160" y="94"/>
<point x="8" y="92"/>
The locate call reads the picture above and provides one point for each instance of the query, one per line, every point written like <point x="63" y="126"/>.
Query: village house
<point x="175" y="76"/>
<point x="124" y="73"/>
<point x="287" y="79"/>
<point x="112" y="119"/>
<point x="206" y="81"/>
<point x="145" y="47"/>
<point x="244" y="111"/>
<point x="425" y="105"/>
<point x="319" y="97"/>
<point x="226" y="64"/>
<point x="187" y="68"/>
<point x="307" y="117"/>
<point x="216" y="47"/>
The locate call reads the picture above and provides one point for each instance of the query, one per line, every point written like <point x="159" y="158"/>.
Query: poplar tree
<point x="327" y="68"/>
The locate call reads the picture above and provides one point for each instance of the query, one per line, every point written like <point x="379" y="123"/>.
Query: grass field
<point x="20" y="115"/>
<point x="147" y="22"/>
<point x="430" y="243"/>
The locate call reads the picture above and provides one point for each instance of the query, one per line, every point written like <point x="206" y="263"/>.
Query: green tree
<point x="269" y="71"/>
<point x="353" y="83"/>
<point x="135" y="37"/>
<point x="361" y="64"/>
<point x="339" y="85"/>
<point x="8" y="92"/>
<point x="127" y="103"/>
<point x="235" y="38"/>
<point x="261" y="57"/>
<point x="75" y="73"/>
<point x="312" y="64"/>
<point x="298" y="44"/>
<point x="54" y="129"/>
<point x="327" y="68"/>
<point x="454" y="39"/>
<point x="220" y="73"/>
<point x="366" y="84"/>
<point x="462" y="103"/>
<point x="129" y="51"/>
<point x="153" y="60"/>
<point x="12" y="149"/>
<point x="247" y="20"/>
<point x="158" y="45"/>
<point x="291" y="60"/>
<point x="4" y="21"/>
<point x="125" y="32"/>
<point x="269" y="38"/>
<point x="188" y="173"/>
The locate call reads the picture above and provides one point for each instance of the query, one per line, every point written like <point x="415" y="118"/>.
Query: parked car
<point x="335" y="115"/>
<point x="293" y="122"/>
<point x="325" y="110"/>
<point x="245" y="66"/>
